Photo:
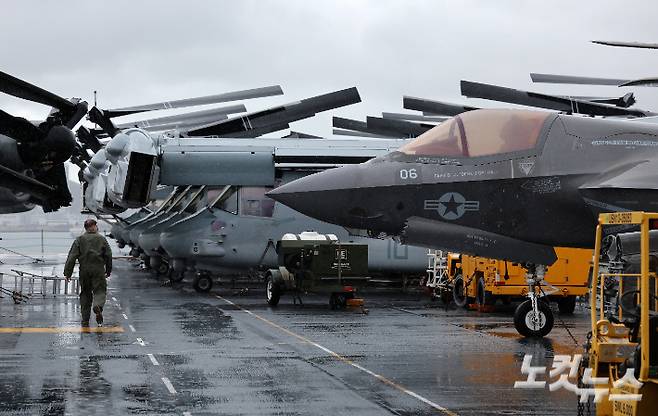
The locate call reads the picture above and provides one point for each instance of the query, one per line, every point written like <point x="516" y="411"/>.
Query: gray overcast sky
<point x="135" y="52"/>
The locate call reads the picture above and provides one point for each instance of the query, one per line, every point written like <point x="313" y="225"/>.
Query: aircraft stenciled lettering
<point x="619" y="142"/>
<point x="451" y="205"/>
<point x="463" y="174"/>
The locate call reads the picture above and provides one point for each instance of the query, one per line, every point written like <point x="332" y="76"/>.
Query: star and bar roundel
<point x="451" y="205"/>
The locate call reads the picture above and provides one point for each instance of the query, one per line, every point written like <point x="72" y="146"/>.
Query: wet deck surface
<point x="169" y="350"/>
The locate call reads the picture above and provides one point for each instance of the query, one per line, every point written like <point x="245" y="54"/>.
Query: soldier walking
<point x="95" y="257"/>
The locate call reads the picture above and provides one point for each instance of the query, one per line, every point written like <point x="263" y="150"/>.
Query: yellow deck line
<point x="60" y="329"/>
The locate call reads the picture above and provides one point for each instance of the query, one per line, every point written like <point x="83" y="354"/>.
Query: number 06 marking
<point x="408" y="174"/>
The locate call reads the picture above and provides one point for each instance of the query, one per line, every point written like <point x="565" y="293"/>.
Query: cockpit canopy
<point x="480" y="133"/>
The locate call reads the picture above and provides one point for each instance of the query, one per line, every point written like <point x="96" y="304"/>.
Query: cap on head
<point x="89" y="223"/>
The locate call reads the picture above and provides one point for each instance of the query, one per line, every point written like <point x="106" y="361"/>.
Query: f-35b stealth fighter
<point x="506" y="184"/>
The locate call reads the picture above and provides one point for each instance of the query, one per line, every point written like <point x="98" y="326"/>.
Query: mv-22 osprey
<point x="506" y="184"/>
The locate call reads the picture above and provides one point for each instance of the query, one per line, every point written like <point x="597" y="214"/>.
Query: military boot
<point x="98" y="310"/>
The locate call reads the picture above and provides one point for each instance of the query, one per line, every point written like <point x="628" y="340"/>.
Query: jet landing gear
<point x="202" y="282"/>
<point x="534" y="318"/>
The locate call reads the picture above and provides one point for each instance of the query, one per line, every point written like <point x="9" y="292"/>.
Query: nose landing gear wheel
<point x="273" y="292"/>
<point x="202" y="283"/>
<point x="531" y="323"/>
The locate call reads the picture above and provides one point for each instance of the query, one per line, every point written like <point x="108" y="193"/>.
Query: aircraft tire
<point x="567" y="305"/>
<point x="273" y="292"/>
<point x="523" y="319"/>
<point x="202" y="283"/>
<point x="459" y="291"/>
<point x="163" y="269"/>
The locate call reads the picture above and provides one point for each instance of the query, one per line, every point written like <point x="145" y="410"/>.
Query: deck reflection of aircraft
<point x="506" y="184"/>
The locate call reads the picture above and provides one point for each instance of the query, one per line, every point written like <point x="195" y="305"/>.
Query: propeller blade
<point x="276" y="117"/>
<point x="19" y="129"/>
<point x="190" y="102"/>
<point x="532" y="99"/>
<point x="100" y="117"/>
<point x="435" y="107"/>
<point x="574" y="79"/>
<point x="641" y="45"/>
<point x="21" y="89"/>
<point x="17" y="181"/>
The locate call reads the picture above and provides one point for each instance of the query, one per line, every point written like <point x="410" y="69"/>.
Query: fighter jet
<point x="506" y="184"/>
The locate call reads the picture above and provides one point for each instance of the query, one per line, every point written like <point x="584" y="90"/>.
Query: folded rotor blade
<point x="275" y="117"/>
<point x="89" y="139"/>
<point x="574" y="79"/>
<point x="190" y="102"/>
<point x="21" y="89"/>
<point x="101" y="117"/>
<point x="197" y="116"/>
<point x="641" y="45"/>
<point x="351" y="133"/>
<point x="434" y="107"/>
<point x="180" y="126"/>
<point x="400" y="127"/>
<point x="370" y="127"/>
<point x="414" y="117"/>
<point x="644" y="82"/>
<point x="300" y="135"/>
<point x="624" y="101"/>
<point x="532" y="99"/>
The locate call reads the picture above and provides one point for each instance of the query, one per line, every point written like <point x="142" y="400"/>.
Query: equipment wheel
<point x="163" y="268"/>
<point x="483" y="296"/>
<point x="567" y="305"/>
<point x="273" y="292"/>
<point x="202" y="283"/>
<point x="459" y="291"/>
<point x="529" y="324"/>
<point x="175" y="276"/>
<point x="337" y="301"/>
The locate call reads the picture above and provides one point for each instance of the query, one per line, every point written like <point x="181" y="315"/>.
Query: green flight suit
<point x="95" y="257"/>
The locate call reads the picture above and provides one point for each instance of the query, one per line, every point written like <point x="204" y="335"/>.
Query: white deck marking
<point x="114" y="299"/>
<point x="345" y="360"/>
<point x="124" y="316"/>
<point x="169" y="386"/>
<point x="153" y="360"/>
<point x="141" y="342"/>
<point x="132" y="328"/>
<point x="187" y="414"/>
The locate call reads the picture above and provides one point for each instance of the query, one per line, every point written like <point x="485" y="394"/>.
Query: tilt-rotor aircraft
<point x="32" y="154"/>
<point x="500" y="183"/>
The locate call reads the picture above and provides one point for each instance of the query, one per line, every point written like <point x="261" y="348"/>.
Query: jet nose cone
<point x="322" y="196"/>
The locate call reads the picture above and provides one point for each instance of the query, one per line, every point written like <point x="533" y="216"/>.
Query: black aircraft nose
<point x="323" y="196"/>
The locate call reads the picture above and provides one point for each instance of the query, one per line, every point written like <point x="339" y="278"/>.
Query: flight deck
<point x="171" y="351"/>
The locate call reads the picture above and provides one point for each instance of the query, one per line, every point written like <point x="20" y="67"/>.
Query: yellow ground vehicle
<point x="624" y="339"/>
<point x="472" y="280"/>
